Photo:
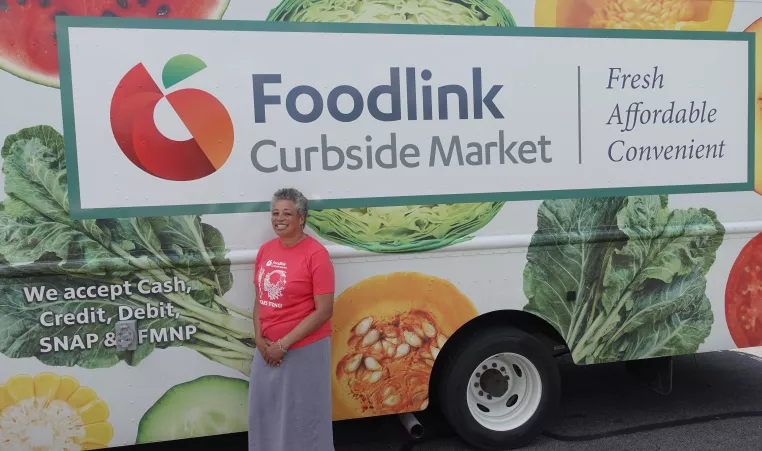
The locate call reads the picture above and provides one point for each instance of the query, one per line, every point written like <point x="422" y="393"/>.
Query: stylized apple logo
<point x="207" y="120"/>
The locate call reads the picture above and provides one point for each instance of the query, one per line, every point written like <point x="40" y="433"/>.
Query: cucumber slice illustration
<point x="209" y="405"/>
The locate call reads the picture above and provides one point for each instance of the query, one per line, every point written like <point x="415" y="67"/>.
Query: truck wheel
<point x="499" y="389"/>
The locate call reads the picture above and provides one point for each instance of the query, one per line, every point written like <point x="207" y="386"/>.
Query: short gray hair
<point x="295" y="196"/>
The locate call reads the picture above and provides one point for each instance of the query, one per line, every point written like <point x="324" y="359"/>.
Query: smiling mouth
<point x="281" y="226"/>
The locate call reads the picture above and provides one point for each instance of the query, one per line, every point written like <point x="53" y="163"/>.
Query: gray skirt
<point x="290" y="405"/>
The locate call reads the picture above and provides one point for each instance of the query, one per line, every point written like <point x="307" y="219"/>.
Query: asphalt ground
<point x="715" y="404"/>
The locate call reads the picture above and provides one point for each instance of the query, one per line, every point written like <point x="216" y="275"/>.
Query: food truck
<point x="500" y="185"/>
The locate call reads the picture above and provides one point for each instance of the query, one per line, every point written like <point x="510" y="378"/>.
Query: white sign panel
<point x="214" y="117"/>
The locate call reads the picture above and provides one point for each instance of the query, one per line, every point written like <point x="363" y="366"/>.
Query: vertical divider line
<point x="579" y="113"/>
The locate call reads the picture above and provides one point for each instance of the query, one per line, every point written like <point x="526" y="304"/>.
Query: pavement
<point x="715" y="404"/>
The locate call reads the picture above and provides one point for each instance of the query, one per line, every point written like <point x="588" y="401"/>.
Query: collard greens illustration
<point x="41" y="246"/>
<point x="623" y="278"/>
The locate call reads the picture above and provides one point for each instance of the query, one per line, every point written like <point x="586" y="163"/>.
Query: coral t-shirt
<point x="286" y="280"/>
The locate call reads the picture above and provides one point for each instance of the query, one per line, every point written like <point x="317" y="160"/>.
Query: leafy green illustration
<point x="41" y="245"/>
<point x="415" y="228"/>
<point x="22" y="329"/>
<point x="622" y="278"/>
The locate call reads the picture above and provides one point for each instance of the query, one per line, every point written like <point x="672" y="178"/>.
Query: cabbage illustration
<point x="414" y="228"/>
<point x="431" y="12"/>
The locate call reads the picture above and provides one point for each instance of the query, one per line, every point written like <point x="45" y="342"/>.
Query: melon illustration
<point x="28" y="41"/>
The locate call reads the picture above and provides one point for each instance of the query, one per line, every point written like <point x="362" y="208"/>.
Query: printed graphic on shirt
<point x="272" y="279"/>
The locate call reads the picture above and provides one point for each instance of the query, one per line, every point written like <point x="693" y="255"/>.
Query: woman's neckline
<point x="291" y="246"/>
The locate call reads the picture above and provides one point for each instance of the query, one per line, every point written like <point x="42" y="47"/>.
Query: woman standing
<point x="290" y="388"/>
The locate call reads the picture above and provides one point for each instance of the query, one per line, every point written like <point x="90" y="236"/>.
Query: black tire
<point x="456" y="378"/>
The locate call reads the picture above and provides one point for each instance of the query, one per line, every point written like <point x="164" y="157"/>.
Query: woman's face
<point x="286" y="220"/>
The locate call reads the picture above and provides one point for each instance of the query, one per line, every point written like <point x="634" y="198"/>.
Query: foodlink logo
<point x="423" y="100"/>
<point x="479" y="99"/>
<point x="207" y="120"/>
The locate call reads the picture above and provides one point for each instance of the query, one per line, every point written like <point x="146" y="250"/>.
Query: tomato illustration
<point x="743" y="296"/>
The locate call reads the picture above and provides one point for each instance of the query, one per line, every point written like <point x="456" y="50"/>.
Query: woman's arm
<point x="312" y="322"/>
<point x="257" y="324"/>
<point x="260" y="341"/>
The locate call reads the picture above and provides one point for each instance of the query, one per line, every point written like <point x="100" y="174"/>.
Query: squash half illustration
<point x="387" y="332"/>
<point x="702" y="15"/>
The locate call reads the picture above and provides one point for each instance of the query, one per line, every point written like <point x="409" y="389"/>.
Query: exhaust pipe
<point x="411" y="424"/>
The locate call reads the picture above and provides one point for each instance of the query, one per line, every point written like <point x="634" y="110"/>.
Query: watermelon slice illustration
<point x="28" y="45"/>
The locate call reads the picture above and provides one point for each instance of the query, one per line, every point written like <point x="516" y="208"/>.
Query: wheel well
<point x="524" y="321"/>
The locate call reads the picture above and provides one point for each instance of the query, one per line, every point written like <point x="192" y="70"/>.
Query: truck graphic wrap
<point x="581" y="171"/>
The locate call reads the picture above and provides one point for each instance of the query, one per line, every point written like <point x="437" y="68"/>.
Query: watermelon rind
<point x="55" y="82"/>
<point x="23" y="73"/>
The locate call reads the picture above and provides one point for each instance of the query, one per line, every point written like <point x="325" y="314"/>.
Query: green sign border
<point x="64" y="23"/>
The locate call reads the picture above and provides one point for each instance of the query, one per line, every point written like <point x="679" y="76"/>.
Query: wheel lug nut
<point x="476" y="384"/>
<point x="484" y="367"/>
<point x="481" y="393"/>
<point x="502" y="368"/>
<point x="489" y="396"/>
<point x="494" y="365"/>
